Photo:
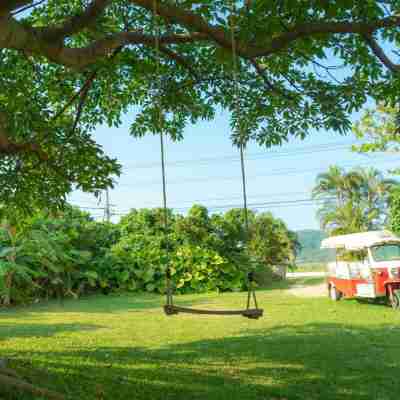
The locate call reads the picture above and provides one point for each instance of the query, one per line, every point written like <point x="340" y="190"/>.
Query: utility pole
<point x="107" y="209"/>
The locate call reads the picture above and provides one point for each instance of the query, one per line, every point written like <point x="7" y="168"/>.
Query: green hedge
<point x="72" y="255"/>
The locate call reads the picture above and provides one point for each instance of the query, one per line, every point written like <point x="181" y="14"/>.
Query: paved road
<point x="290" y="275"/>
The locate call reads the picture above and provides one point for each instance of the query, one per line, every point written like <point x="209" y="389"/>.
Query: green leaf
<point x="7" y="251"/>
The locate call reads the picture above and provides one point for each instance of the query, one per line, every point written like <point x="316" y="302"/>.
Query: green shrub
<point x="71" y="255"/>
<point x="53" y="257"/>
<point x="193" y="268"/>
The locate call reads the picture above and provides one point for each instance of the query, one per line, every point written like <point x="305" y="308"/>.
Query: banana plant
<point x="8" y="266"/>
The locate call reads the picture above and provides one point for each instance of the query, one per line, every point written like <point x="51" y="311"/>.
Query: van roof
<point x="358" y="241"/>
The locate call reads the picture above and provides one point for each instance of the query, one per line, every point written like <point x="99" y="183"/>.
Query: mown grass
<point x="123" y="347"/>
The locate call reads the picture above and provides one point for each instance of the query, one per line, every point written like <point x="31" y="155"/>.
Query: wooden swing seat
<point x="251" y="313"/>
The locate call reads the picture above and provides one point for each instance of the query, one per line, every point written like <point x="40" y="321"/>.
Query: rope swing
<point x="169" y="307"/>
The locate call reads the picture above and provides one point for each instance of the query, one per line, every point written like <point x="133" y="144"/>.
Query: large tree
<point x="69" y="65"/>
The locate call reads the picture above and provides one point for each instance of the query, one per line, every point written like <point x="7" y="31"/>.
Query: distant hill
<point x="310" y="240"/>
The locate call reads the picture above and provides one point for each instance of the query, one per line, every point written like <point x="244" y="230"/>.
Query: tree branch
<point x="80" y="93"/>
<point x="12" y="148"/>
<point x="28" y="7"/>
<point x="380" y="54"/>
<point x="302" y="31"/>
<point x="261" y="72"/>
<point x="179" y="60"/>
<point x="7" y="6"/>
<point x="78" y="22"/>
<point x="193" y="21"/>
<point x="189" y="19"/>
<point x="40" y="41"/>
<point x="14" y="35"/>
<point x="81" y="57"/>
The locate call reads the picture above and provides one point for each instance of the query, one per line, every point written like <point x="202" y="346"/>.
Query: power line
<point x="273" y="203"/>
<point x="87" y="208"/>
<point x="280" y="203"/>
<point x="277" y="172"/>
<point x="200" y="201"/>
<point x="251" y="156"/>
<point x="262" y="205"/>
<point x="107" y="208"/>
<point x="230" y="198"/>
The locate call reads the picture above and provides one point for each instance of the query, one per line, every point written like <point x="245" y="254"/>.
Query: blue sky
<point x="204" y="168"/>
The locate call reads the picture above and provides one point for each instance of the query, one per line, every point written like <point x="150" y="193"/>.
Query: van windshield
<point x="386" y="252"/>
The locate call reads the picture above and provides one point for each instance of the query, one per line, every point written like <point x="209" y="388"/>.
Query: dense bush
<point x="201" y="252"/>
<point x="52" y="256"/>
<point x="69" y="254"/>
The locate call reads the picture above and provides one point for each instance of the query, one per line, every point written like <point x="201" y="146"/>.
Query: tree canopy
<point x="68" y="66"/>
<point x="379" y="129"/>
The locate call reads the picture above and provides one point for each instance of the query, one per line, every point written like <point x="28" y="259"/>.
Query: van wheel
<point x="334" y="294"/>
<point x="395" y="300"/>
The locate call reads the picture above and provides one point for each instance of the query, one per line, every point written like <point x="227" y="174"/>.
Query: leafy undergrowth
<point x="125" y="348"/>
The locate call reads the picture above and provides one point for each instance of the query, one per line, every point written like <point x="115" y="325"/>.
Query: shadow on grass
<point x="114" y="303"/>
<point x="90" y="304"/>
<point x="314" y="361"/>
<point x="12" y="331"/>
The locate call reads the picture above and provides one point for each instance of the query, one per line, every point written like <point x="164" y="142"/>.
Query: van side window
<point x="352" y="256"/>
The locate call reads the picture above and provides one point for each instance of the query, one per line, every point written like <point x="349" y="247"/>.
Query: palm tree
<point x="336" y="183"/>
<point x="347" y="218"/>
<point x="375" y="191"/>
<point x="353" y="201"/>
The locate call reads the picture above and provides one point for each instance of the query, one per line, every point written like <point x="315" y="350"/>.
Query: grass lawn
<point x="123" y="347"/>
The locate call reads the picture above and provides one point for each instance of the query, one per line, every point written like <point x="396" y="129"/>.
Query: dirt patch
<point x="304" y="290"/>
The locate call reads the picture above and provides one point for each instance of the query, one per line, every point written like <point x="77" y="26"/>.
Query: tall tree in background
<point x="272" y="243"/>
<point x="336" y="183"/>
<point x="375" y="191"/>
<point x="68" y="66"/>
<point x="394" y="212"/>
<point x="353" y="201"/>
<point x="379" y="128"/>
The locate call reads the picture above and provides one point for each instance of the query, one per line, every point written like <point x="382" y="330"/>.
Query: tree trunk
<point x="12" y="230"/>
<point x="280" y="271"/>
<point x="8" y="284"/>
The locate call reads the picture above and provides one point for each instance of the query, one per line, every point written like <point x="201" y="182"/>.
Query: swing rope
<point x="242" y="143"/>
<point x="170" y="308"/>
<point x="251" y="294"/>
<point x="160" y="131"/>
